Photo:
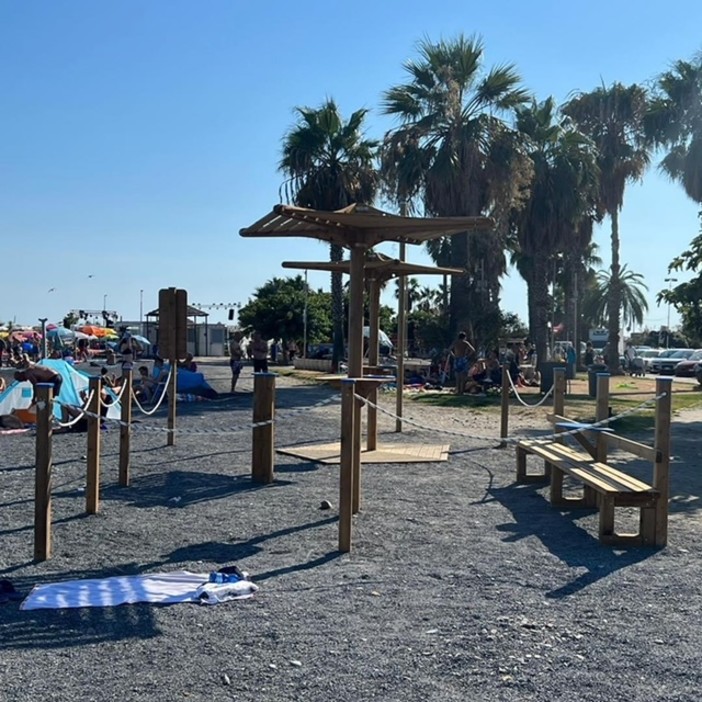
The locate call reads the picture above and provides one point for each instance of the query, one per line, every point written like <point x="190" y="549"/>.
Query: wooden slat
<point x="648" y="453"/>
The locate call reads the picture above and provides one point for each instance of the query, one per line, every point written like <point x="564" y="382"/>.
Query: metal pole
<point x="670" y="282"/>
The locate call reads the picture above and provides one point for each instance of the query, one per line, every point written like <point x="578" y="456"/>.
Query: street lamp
<point x="670" y="282"/>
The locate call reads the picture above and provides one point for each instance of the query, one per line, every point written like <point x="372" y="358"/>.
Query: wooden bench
<point x="605" y="487"/>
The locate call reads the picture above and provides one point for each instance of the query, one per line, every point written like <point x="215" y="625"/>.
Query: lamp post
<point x="670" y="282"/>
<point x="141" y="309"/>
<point x="104" y="302"/>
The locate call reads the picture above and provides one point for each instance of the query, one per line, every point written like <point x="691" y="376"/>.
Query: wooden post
<point x="42" y="495"/>
<point x="348" y="402"/>
<point x="602" y="412"/>
<point x="559" y="391"/>
<point x="172" y="387"/>
<point x="401" y="337"/>
<point x="262" y="452"/>
<point x="504" y="419"/>
<point x="92" y="489"/>
<point x="356" y="360"/>
<point x="373" y="360"/>
<point x="661" y="470"/>
<point x="125" y="429"/>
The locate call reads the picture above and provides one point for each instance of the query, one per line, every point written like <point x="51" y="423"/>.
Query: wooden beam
<point x="262" y="452"/>
<point x="43" y="464"/>
<point x="373" y="360"/>
<point x="601" y="413"/>
<point x="92" y="483"/>
<point x="346" y="465"/>
<point x="125" y="429"/>
<point x="661" y="469"/>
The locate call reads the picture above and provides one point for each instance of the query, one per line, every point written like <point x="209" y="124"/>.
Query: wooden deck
<point x="385" y="453"/>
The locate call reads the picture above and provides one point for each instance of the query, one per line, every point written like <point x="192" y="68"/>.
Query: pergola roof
<point x="190" y="312"/>
<point x="376" y="266"/>
<point x="359" y="225"/>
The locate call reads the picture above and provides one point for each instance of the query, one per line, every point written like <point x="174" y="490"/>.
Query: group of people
<point x="474" y="373"/>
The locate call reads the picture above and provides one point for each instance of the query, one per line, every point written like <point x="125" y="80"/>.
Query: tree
<point x="687" y="297"/>
<point x="633" y="299"/>
<point x="562" y="195"/>
<point x="613" y="117"/>
<point x="455" y="152"/>
<point x="329" y="165"/>
<point x="277" y="311"/>
<point x="674" y="121"/>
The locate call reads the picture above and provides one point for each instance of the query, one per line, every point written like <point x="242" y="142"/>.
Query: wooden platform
<point x="385" y="453"/>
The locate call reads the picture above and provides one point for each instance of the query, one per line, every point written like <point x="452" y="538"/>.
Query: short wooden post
<point x="262" y="452"/>
<point x="43" y="461"/>
<point x="92" y="487"/>
<point x="125" y="429"/>
<point x="357" y="427"/>
<point x="172" y="399"/>
<point x="661" y="470"/>
<point x="559" y="391"/>
<point x="504" y="418"/>
<point x="348" y="402"/>
<point x="373" y="360"/>
<point x="601" y="413"/>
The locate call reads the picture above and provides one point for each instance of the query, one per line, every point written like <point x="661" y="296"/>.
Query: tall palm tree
<point x="675" y="121"/>
<point x="562" y="195"/>
<point x="634" y="304"/>
<point x="454" y="151"/>
<point x="613" y="117"/>
<point x="329" y="165"/>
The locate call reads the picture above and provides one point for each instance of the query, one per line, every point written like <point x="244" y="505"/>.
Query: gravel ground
<point x="461" y="585"/>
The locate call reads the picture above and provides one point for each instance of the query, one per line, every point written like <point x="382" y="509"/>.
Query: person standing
<point x="462" y="351"/>
<point x="125" y="346"/>
<point x="235" y="358"/>
<point x="259" y="350"/>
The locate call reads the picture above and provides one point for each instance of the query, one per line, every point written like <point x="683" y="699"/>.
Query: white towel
<point x="159" y="588"/>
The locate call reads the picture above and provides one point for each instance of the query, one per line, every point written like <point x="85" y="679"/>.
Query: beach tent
<point x="18" y="396"/>
<point x="189" y="383"/>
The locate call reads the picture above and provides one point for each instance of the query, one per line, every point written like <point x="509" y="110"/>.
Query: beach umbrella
<point x="141" y="340"/>
<point x="383" y="338"/>
<point x="82" y="335"/>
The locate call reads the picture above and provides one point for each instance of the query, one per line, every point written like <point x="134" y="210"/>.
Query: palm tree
<point x="634" y="304"/>
<point x="414" y="292"/>
<point x="455" y="152"/>
<point x="613" y="117"/>
<point x="562" y="195"/>
<point x="329" y="165"/>
<point x="674" y="121"/>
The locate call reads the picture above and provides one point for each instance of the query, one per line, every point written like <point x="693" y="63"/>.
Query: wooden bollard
<point x="559" y="392"/>
<point x="601" y="413"/>
<point x="262" y="452"/>
<point x="348" y="414"/>
<point x="504" y="408"/>
<point x="42" y="496"/>
<point x="92" y="482"/>
<point x="172" y="400"/>
<point x="125" y="429"/>
<point x="661" y="470"/>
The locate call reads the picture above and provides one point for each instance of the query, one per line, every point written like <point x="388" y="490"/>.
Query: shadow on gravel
<point x="182" y="488"/>
<point x="534" y="516"/>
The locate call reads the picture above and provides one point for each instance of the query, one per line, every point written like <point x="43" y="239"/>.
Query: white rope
<point x="82" y="412"/>
<point x="556" y="435"/>
<point x="154" y="409"/>
<point x="117" y="396"/>
<point x="526" y="404"/>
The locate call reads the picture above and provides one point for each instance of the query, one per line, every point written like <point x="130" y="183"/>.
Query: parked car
<point x="647" y="356"/>
<point x="670" y="358"/>
<point x="686" y="368"/>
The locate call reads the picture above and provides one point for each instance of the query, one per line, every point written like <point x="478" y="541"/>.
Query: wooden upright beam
<point x="125" y="430"/>
<point x="92" y="483"/>
<point x="263" y="453"/>
<point x="601" y="412"/>
<point x="661" y="470"/>
<point x="43" y="463"/>
<point x="559" y="391"/>
<point x="373" y="360"/>
<point x="346" y="464"/>
<point x="504" y="404"/>
<point x="401" y="340"/>
<point x="173" y="384"/>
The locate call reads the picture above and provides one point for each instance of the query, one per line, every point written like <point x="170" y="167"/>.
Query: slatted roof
<point x="376" y="266"/>
<point x="359" y="224"/>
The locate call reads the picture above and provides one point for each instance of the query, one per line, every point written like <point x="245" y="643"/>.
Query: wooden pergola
<point x="358" y="228"/>
<point x="378" y="270"/>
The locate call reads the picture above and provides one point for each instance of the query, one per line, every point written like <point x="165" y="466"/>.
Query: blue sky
<point x="139" y="137"/>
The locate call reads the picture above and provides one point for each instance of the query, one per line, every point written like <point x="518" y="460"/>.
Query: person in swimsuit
<point x="462" y="351"/>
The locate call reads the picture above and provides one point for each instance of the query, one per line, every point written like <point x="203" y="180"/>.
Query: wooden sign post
<point x="172" y="339"/>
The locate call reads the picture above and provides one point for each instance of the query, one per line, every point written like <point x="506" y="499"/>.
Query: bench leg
<point x="556" y="495"/>
<point x="521" y="465"/>
<point x="606" y="517"/>
<point x="589" y="497"/>
<point x="647" y="526"/>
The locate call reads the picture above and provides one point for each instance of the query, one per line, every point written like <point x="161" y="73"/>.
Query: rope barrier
<point x="526" y="404"/>
<point x="153" y="410"/>
<point x="515" y="439"/>
<point x="82" y="410"/>
<point x="117" y="397"/>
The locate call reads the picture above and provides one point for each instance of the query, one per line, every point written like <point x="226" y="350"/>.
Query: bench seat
<point x="605" y="487"/>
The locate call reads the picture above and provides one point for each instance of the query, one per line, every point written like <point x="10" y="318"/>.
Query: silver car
<point x="670" y="358"/>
